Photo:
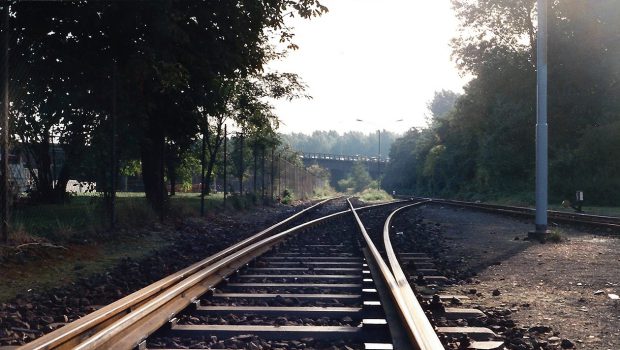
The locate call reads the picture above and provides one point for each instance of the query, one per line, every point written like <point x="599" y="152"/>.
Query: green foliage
<point x="358" y="179"/>
<point x="483" y="146"/>
<point x="442" y="103"/>
<point x="158" y="72"/>
<point x="190" y="165"/>
<point x="324" y="192"/>
<point x="349" y="143"/>
<point x="130" y="167"/>
<point x="287" y="196"/>
<point x="374" y="195"/>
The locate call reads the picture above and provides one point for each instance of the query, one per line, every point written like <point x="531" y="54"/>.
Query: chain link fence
<point x="271" y="176"/>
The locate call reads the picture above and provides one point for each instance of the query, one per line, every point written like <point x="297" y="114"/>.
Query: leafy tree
<point x="165" y="59"/>
<point x="358" y="179"/>
<point x="349" y="143"/>
<point x="442" y="103"/>
<point x="484" y="146"/>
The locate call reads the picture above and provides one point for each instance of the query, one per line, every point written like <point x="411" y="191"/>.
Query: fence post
<point x="262" y="172"/>
<point x="241" y="170"/>
<point x="255" y="152"/>
<point x="225" y="164"/>
<point x="271" y="179"/>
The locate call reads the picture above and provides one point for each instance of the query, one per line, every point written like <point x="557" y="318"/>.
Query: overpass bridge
<point x="340" y="165"/>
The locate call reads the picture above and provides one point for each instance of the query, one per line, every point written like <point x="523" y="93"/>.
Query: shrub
<point x="287" y="196"/>
<point x="374" y="195"/>
<point x="555" y="236"/>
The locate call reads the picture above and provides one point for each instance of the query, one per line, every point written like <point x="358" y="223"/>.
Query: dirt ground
<point x="46" y="267"/>
<point x="563" y="285"/>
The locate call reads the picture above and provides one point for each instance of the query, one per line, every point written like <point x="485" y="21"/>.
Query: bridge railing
<point x="342" y="157"/>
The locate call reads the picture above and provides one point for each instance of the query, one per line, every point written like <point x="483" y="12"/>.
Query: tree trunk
<point x="172" y="174"/>
<point x="60" y="191"/>
<point x="43" y="192"/>
<point x="152" y="152"/>
<point x="213" y="156"/>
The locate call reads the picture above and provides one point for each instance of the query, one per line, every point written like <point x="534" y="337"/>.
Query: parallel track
<point x="610" y="222"/>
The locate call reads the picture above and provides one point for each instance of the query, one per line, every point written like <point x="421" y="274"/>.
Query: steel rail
<point x="123" y="306"/>
<point x="105" y="338"/>
<point x="426" y="337"/>
<point x="97" y="324"/>
<point x="418" y="334"/>
<point x="112" y="335"/>
<point x="600" y="220"/>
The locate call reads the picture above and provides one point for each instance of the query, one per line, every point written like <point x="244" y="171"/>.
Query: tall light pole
<point x="541" y="123"/>
<point x="379" y="138"/>
<point x="379" y="153"/>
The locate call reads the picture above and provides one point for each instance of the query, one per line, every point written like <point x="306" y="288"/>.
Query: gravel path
<point x="565" y="286"/>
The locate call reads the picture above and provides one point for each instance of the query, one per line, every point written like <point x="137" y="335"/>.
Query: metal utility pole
<point x="241" y="170"/>
<point x="379" y="157"/>
<point x="541" y="123"/>
<point x="5" y="132"/>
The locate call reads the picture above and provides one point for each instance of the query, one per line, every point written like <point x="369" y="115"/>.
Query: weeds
<point x="287" y="196"/>
<point x="374" y="195"/>
<point x="555" y="236"/>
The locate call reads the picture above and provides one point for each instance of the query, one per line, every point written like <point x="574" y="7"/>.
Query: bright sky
<point x="375" y="60"/>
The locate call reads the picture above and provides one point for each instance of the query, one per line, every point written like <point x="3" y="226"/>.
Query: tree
<point x="169" y="56"/>
<point x="484" y="146"/>
<point x="358" y="179"/>
<point x="442" y="103"/>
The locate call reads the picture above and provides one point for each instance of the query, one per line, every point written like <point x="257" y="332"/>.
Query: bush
<point x="287" y="196"/>
<point x="374" y="195"/>
<point x="323" y="192"/>
<point x="358" y="180"/>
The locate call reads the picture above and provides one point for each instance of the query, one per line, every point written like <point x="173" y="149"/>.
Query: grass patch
<point x="60" y="267"/>
<point x="58" y="221"/>
<point x="188" y="204"/>
<point x="84" y="215"/>
<point x="374" y="195"/>
<point x="324" y="192"/>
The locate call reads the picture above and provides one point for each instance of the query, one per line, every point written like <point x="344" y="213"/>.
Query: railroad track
<point x="610" y="222"/>
<point x="326" y="283"/>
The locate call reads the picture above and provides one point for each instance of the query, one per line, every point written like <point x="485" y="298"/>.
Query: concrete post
<point x="541" y="122"/>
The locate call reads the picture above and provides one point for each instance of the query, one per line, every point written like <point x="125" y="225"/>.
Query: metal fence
<point x="271" y="176"/>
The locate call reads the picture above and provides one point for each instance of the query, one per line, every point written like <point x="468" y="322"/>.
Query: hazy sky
<point x="376" y="60"/>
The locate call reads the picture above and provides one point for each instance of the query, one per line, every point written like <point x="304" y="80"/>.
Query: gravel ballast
<point x="549" y="296"/>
